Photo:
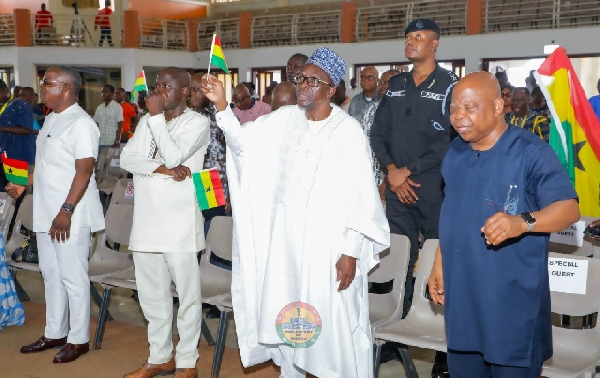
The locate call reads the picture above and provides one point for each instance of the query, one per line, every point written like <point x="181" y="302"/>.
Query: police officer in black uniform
<point x="410" y="135"/>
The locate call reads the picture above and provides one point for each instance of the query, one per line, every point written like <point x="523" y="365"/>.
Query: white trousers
<point x="283" y="356"/>
<point x="153" y="274"/>
<point x="64" y="267"/>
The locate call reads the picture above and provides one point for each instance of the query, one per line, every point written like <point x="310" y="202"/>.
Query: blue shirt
<point x="20" y="147"/>
<point x="497" y="299"/>
<point x="595" y="102"/>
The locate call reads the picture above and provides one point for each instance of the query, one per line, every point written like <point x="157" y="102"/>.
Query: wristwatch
<point x="68" y="206"/>
<point x="530" y="220"/>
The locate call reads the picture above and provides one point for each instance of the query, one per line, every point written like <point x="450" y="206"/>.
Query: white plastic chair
<point x="576" y="351"/>
<point x="7" y="210"/>
<point x="424" y="325"/>
<point x="24" y="218"/>
<point x="120" y="195"/>
<point x="216" y="281"/>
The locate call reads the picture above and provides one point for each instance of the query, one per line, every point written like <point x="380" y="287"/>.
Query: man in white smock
<point x="308" y="227"/>
<point x="66" y="210"/>
<point x="168" y="229"/>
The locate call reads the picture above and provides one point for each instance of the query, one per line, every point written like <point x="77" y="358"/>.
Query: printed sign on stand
<point x="567" y="275"/>
<point x="572" y="235"/>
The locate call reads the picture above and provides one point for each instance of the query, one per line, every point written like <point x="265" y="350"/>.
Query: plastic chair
<point x="589" y="248"/>
<point x="424" y="325"/>
<point x="216" y="281"/>
<point x="24" y="218"/>
<point x="393" y="265"/>
<point x="7" y="210"/>
<point x="576" y="351"/>
<point x="120" y="195"/>
<point x="126" y="279"/>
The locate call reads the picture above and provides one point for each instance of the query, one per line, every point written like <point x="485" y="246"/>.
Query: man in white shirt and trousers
<point x="308" y="227"/>
<point x="168" y="228"/>
<point x="66" y="210"/>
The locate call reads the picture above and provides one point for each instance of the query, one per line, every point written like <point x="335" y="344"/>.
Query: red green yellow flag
<point x="140" y="85"/>
<point x="575" y="129"/>
<point x="209" y="189"/>
<point x="16" y="171"/>
<point x="217" y="57"/>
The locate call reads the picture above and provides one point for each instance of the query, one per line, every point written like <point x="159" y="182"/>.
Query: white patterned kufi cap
<point x="330" y="62"/>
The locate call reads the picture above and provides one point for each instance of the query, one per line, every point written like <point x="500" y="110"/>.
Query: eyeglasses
<point x="382" y="82"/>
<point x="506" y="94"/>
<point x="45" y="82"/>
<point x="368" y="77"/>
<point x="310" y="81"/>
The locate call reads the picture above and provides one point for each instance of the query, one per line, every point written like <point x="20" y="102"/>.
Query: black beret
<point x="422" y="24"/>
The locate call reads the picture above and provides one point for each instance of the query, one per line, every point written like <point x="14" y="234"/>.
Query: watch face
<point x="528" y="218"/>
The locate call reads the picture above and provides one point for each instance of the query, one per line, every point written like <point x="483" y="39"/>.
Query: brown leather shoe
<point x="150" y="370"/>
<point x="186" y="373"/>
<point x="71" y="352"/>
<point x="42" y="344"/>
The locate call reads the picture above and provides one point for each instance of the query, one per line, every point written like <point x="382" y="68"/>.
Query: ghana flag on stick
<point x="574" y="130"/>
<point x="209" y="189"/>
<point x="216" y="55"/>
<point x="16" y="171"/>
<point x="140" y="85"/>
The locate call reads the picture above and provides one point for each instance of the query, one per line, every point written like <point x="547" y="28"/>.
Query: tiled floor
<point x="123" y="308"/>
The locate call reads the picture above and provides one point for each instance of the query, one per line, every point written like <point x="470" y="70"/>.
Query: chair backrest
<point x="393" y="265"/>
<point x="589" y="247"/>
<point x="578" y="304"/>
<point x="123" y="193"/>
<point x="7" y="209"/>
<point x="422" y="307"/>
<point x="113" y="166"/>
<point x="220" y="237"/>
<point x="25" y="213"/>
<point x="119" y="219"/>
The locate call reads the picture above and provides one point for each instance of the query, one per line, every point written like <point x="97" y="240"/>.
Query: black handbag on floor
<point x="28" y="252"/>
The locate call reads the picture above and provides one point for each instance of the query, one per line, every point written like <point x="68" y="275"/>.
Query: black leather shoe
<point x="71" y="352"/>
<point x="213" y="313"/>
<point x="389" y="353"/>
<point x="42" y="344"/>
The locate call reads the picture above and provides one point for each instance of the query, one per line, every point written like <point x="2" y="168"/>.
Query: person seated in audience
<point x="340" y="98"/>
<point x="269" y="91"/>
<point x="66" y="211"/>
<point x="252" y="89"/>
<point x="506" y="96"/>
<point x="16" y="129"/>
<point x="525" y="118"/>
<point x="283" y="94"/>
<point x="214" y="158"/>
<point x="363" y="102"/>
<point x="502" y="78"/>
<point x="246" y="108"/>
<point x="308" y="227"/>
<point x="169" y="144"/>
<point x="28" y="95"/>
<point x="506" y="192"/>
<point x="538" y="102"/>
<point x="294" y="65"/>
<point x="383" y="83"/>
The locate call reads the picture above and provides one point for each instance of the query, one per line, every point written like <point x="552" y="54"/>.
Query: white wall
<point x="471" y="48"/>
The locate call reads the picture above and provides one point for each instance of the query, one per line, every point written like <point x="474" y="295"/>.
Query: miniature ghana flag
<point x="209" y="189"/>
<point x="574" y="130"/>
<point x="140" y="85"/>
<point x="216" y="55"/>
<point x="16" y="171"/>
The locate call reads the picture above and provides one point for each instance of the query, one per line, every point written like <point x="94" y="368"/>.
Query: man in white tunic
<point x="308" y="227"/>
<point x="66" y="210"/>
<point x="168" y="229"/>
